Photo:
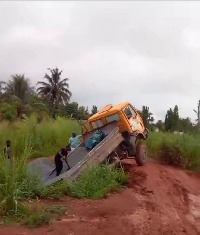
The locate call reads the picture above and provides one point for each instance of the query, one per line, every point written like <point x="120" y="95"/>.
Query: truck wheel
<point x="132" y="147"/>
<point x="141" y="154"/>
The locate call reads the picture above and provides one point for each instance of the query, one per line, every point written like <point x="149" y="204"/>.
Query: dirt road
<point x="160" y="200"/>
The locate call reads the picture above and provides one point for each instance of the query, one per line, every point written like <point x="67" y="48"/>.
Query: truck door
<point x="134" y="119"/>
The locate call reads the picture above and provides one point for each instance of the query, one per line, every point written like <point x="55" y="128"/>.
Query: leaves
<point x="55" y="90"/>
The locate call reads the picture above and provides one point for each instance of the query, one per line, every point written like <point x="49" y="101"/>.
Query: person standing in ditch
<point x="7" y="151"/>
<point x="74" y="141"/>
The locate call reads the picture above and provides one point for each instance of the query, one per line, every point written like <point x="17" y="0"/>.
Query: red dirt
<point x="160" y="200"/>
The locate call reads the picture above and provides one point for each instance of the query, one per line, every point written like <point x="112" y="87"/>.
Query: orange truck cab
<point x="130" y="125"/>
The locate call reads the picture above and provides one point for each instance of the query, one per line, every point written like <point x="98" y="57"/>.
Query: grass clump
<point x="96" y="182"/>
<point x="54" y="191"/>
<point x="179" y="150"/>
<point x="39" y="216"/>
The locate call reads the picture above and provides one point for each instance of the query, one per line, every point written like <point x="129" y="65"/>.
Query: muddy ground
<point x="160" y="200"/>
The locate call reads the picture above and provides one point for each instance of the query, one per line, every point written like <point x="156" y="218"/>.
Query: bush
<point x="182" y="150"/>
<point x="96" y="182"/>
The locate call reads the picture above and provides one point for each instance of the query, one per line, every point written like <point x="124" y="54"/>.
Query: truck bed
<point x="81" y="157"/>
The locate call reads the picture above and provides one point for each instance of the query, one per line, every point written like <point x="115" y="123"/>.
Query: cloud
<point x="145" y="52"/>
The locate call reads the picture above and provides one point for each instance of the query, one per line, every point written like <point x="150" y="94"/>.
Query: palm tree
<point x="19" y="87"/>
<point x="17" y="90"/>
<point x="198" y="112"/>
<point x="55" y="90"/>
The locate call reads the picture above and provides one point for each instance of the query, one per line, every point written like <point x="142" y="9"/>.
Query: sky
<point x="144" y="52"/>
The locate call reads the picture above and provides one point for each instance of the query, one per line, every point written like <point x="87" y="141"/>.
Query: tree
<point x="19" y="86"/>
<point x="176" y="118"/>
<point x="94" y="109"/>
<point x="147" y="116"/>
<point x="185" y="125"/>
<point x="172" y="120"/>
<point x="17" y="92"/>
<point x="1" y="87"/>
<point x="83" y="113"/>
<point x="55" y="90"/>
<point x="71" y="110"/>
<point x="198" y="112"/>
<point x="160" y="125"/>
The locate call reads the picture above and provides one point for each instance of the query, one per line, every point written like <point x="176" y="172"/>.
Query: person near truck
<point x="7" y="151"/>
<point x="74" y="141"/>
<point x="60" y="156"/>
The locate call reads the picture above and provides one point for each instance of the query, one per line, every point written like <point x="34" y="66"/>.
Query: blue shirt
<point x="74" y="141"/>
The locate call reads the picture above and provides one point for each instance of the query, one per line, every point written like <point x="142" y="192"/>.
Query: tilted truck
<point x="129" y="123"/>
<point x="123" y="128"/>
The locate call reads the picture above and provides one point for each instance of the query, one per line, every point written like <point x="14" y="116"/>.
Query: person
<point x="74" y="141"/>
<point x="7" y="150"/>
<point x="59" y="158"/>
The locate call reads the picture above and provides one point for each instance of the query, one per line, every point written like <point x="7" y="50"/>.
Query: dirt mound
<point x="158" y="200"/>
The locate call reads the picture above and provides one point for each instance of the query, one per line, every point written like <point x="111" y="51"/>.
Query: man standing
<point x="74" y="141"/>
<point x="59" y="158"/>
<point x="7" y="151"/>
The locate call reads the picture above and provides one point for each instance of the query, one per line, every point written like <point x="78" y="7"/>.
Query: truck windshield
<point x="129" y="112"/>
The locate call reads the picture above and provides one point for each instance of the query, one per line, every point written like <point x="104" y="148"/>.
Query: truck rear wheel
<point x="141" y="154"/>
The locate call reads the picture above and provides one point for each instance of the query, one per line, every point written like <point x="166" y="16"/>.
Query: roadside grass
<point x="96" y="182"/>
<point x="173" y="149"/>
<point x="39" y="216"/>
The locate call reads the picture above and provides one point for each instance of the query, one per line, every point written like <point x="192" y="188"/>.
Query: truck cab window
<point x="129" y="111"/>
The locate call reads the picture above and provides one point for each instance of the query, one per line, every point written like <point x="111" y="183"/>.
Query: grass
<point x="96" y="182"/>
<point x="46" y="137"/>
<point x="173" y="149"/>
<point x="39" y="216"/>
<point x="30" y="139"/>
<point x="16" y="185"/>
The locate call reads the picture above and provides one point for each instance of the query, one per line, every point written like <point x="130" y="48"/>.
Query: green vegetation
<point x="17" y="185"/>
<point x="39" y="216"/>
<point x="96" y="182"/>
<point x="174" y="149"/>
<point x="51" y="98"/>
<point x="45" y="138"/>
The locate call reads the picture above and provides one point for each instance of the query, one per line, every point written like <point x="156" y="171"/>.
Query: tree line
<point x="172" y="122"/>
<point x="52" y="98"/>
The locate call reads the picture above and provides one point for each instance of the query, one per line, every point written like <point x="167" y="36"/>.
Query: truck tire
<point x="141" y="154"/>
<point x="132" y="146"/>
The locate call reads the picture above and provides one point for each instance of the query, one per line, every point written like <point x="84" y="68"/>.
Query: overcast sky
<point x="145" y="52"/>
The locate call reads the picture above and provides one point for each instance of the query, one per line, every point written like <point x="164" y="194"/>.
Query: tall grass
<point x="96" y="182"/>
<point x="174" y="149"/>
<point x="46" y="137"/>
<point x="14" y="183"/>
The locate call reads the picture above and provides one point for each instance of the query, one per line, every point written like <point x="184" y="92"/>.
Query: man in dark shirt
<point x="7" y="150"/>
<point x="60" y="156"/>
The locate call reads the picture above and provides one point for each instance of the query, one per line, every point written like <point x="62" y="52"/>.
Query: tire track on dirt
<point x="180" y="195"/>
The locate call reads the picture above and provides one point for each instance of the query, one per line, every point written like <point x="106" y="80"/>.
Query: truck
<point x="130" y="125"/>
<point x="124" y="137"/>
